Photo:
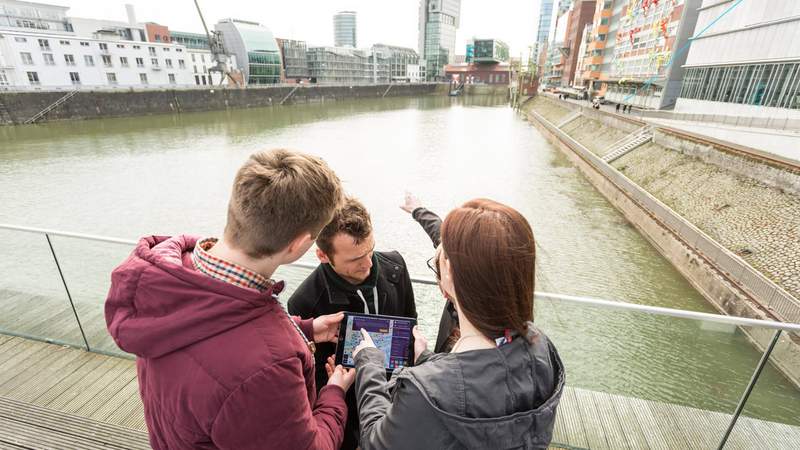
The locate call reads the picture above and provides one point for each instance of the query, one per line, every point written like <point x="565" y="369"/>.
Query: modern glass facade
<point x="34" y="16"/>
<point x="439" y="20"/>
<point x="335" y="65"/>
<point x="190" y="40"/>
<point x="545" y="19"/>
<point x="344" y="29"/>
<point x="490" y="50"/>
<point x="775" y="85"/>
<point x="397" y="60"/>
<point x="295" y="59"/>
<point x="255" y="49"/>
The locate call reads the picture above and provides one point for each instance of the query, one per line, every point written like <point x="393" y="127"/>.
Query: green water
<point x="172" y="174"/>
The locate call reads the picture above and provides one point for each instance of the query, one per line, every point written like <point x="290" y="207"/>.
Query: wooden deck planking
<point x="105" y="388"/>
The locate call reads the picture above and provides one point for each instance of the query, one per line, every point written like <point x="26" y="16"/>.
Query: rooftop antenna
<point x="218" y="53"/>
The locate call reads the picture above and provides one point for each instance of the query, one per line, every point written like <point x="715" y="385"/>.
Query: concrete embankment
<point x="705" y="209"/>
<point x="21" y="106"/>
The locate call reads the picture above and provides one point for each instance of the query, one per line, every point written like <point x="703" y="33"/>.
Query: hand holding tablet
<point x="392" y="335"/>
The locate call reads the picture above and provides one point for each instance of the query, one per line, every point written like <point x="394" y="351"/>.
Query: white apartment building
<point x="41" y="49"/>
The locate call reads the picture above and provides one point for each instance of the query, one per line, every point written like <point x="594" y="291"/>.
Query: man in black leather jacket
<point x="352" y="277"/>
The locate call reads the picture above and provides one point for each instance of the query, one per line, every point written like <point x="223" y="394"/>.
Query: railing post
<point x="749" y="388"/>
<point x="69" y="296"/>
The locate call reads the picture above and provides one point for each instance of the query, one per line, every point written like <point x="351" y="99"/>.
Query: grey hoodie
<point x="503" y="398"/>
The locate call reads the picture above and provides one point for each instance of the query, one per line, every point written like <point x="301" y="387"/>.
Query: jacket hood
<point x="490" y="402"/>
<point x="158" y="303"/>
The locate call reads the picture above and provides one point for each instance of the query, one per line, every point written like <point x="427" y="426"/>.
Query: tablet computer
<point x="391" y="334"/>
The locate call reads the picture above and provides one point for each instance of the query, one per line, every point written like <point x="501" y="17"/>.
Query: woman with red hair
<point x="501" y="383"/>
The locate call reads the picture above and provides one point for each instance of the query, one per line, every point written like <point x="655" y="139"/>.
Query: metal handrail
<point x="585" y="301"/>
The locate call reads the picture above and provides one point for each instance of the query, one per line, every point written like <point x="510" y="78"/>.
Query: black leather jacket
<point x="317" y="296"/>
<point x="432" y="224"/>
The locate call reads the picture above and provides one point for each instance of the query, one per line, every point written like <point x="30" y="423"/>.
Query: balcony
<point x="596" y="45"/>
<point x="591" y="74"/>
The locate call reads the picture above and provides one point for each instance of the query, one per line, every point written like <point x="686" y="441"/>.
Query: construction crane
<point x="218" y="53"/>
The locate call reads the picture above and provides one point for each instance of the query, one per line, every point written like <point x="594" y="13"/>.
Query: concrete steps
<point x="628" y="143"/>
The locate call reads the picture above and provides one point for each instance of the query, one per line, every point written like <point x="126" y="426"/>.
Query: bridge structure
<point x="64" y="384"/>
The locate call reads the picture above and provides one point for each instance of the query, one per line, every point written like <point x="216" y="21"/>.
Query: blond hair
<point x="277" y="196"/>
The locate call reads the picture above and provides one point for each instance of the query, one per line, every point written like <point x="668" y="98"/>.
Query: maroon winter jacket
<point x="220" y="366"/>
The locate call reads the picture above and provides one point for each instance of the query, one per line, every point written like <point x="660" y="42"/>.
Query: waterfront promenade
<point x="104" y="388"/>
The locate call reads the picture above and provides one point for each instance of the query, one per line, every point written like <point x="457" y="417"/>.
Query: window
<point x="168" y="63"/>
<point x="774" y="85"/>
<point x="181" y="64"/>
<point x="75" y="78"/>
<point x="112" y="78"/>
<point x="48" y="59"/>
<point x="197" y="79"/>
<point x="26" y="58"/>
<point x="84" y="44"/>
<point x="33" y="78"/>
<point x="3" y="78"/>
<point x="44" y="44"/>
<point x="139" y="62"/>
<point x="179" y="50"/>
<point x="107" y="60"/>
<point x="19" y="39"/>
<point x="120" y="46"/>
<point x="193" y="60"/>
<point x="103" y="46"/>
<point x="195" y="69"/>
<point x="137" y="47"/>
<point x="171" y="78"/>
<point x="123" y="61"/>
<point x="88" y="60"/>
<point x="70" y="60"/>
<point x="152" y="51"/>
<point x="154" y="62"/>
<point x="63" y="42"/>
<point x="143" y="78"/>
<point x="203" y="58"/>
<point x="166" y="49"/>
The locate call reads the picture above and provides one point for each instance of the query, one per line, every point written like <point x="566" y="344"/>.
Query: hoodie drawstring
<point x="374" y="299"/>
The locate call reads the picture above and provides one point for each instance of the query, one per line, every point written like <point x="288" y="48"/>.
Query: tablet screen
<point x="391" y="335"/>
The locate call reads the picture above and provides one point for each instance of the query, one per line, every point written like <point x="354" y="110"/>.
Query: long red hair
<point x="492" y="254"/>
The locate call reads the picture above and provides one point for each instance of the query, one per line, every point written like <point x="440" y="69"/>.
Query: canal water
<point x="172" y="174"/>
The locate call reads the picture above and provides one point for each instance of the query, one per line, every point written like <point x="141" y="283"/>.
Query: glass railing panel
<point x="33" y="302"/>
<point x="775" y="425"/>
<point x="638" y="376"/>
<point x="87" y="267"/>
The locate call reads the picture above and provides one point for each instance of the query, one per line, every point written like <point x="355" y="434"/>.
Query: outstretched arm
<point x="429" y="221"/>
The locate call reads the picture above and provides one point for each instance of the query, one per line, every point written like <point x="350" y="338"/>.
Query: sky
<point x="391" y="22"/>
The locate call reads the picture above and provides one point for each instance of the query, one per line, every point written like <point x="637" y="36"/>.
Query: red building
<point x="580" y="14"/>
<point x="156" y="32"/>
<point x="472" y="73"/>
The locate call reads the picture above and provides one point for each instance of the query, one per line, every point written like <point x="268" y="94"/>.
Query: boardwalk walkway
<point x="104" y="388"/>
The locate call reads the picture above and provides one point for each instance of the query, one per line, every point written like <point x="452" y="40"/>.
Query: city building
<point x="581" y="70"/>
<point x="545" y="20"/>
<point x="553" y="64"/>
<point x="339" y="65"/>
<point x="490" y="51"/>
<point x="403" y="63"/>
<point x="42" y="48"/>
<point x="256" y="50"/>
<point x="579" y="15"/>
<point x="599" y="40"/>
<point x="438" y="22"/>
<point x="747" y="65"/>
<point x="344" y="29"/>
<point x="198" y="41"/>
<point x="156" y="32"/>
<point x="647" y="69"/>
<point x="476" y="73"/>
<point x="294" y="55"/>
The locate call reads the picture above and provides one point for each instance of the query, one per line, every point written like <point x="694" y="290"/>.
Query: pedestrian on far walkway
<point x="617" y="108"/>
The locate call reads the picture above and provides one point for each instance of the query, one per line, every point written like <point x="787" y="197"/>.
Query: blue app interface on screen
<point x="392" y="336"/>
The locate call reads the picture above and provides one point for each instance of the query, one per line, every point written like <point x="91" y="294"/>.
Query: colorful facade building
<point x="580" y="14"/>
<point x="649" y="52"/>
<point x="595" y="72"/>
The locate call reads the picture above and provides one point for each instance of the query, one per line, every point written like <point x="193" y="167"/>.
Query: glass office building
<point x="255" y="49"/>
<point x="344" y="29"/>
<point x="438" y="22"/>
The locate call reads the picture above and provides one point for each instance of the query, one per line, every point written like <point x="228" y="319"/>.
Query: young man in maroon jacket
<point x="220" y="362"/>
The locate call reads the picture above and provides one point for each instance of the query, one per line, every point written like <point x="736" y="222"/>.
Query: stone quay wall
<point x="17" y="107"/>
<point x="755" y="220"/>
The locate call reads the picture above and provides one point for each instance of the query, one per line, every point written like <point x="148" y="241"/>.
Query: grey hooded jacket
<point x="503" y="398"/>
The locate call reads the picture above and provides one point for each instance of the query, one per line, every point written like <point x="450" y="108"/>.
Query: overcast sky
<point x="385" y="21"/>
